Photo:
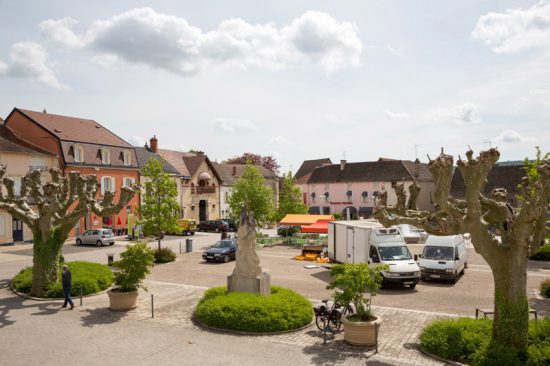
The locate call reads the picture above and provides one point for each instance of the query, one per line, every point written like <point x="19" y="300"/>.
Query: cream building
<point x="19" y="158"/>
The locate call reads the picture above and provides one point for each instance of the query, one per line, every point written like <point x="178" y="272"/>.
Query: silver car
<point x="97" y="237"/>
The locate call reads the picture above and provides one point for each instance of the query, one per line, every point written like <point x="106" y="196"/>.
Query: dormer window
<point x="327" y="195"/>
<point x="78" y="154"/>
<point x="105" y="157"/>
<point x="127" y="158"/>
<point x="312" y="196"/>
<point x="349" y="195"/>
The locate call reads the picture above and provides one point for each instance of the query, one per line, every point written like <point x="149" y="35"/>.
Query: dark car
<point x="222" y="251"/>
<point x="213" y="225"/>
<point x="231" y="224"/>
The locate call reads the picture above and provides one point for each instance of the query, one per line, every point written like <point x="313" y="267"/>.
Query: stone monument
<point x="247" y="275"/>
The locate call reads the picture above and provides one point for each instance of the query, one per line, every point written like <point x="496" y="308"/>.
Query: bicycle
<point x="330" y="319"/>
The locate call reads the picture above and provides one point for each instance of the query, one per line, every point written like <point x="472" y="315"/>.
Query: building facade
<point x="85" y="146"/>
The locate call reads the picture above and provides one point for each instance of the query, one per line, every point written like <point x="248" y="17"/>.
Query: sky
<point x="293" y="79"/>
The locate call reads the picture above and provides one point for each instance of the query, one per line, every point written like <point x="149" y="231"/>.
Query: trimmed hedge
<point x="283" y="310"/>
<point x="543" y="254"/>
<point x="93" y="277"/>
<point x="164" y="255"/>
<point x="545" y="288"/>
<point x="468" y="340"/>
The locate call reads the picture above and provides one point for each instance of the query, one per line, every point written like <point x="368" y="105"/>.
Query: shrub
<point x="469" y="340"/>
<point x="164" y="255"/>
<point x="93" y="277"/>
<point x="543" y="254"/>
<point x="282" y="310"/>
<point x="132" y="269"/>
<point x="545" y="288"/>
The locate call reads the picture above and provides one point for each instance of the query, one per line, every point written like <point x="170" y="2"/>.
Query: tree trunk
<point x="45" y="260"/>
<point x="511" y="320"/>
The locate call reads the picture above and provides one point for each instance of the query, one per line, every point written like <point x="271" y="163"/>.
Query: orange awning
<point x="302" y="220"/>
<point x="320" y="227"/>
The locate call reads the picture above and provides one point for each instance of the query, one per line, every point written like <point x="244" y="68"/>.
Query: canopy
<point x="320" y="227"/>
<point x="300" y="220"/>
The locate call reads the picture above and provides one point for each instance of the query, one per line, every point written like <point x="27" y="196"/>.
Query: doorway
<point x="17" y="229"/>
<point x="202" y="210"/>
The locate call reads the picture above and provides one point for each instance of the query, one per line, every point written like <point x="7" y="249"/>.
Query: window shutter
<point x="113" y="184"/>
<point x="103" y="182"/>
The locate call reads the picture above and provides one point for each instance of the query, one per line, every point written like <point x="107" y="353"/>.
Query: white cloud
<point x="137" y="141"/>
<point x="59" y="32"/>
<point x="29" y="61"/>
<point x="234" y="124"/>
<point x="395" y="115"/>
<point x="279" y="140"/>
<point x="540" y="96"/>
<point x="511" y="137"/>
<point x="143" y="36"/>
<point x="515" y="30"/>
<point x="397" y="52"/>
<point x="466" y="113"/>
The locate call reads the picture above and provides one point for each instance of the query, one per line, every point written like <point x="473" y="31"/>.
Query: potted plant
<point x="130" y="271"/>
<point x="356" y="283"/>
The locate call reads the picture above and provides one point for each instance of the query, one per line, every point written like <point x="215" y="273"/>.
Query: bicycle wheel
<point x="320" y="321"/>
<point x="335" y="321"/>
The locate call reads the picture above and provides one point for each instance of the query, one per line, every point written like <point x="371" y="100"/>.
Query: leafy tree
<point x="268" y="162"/>
<point x="159" y="205"/>
<point x="133" y="267"/>
<point x="251" y="192"/>
<point x="290" y="199"/>
<point x="59" y="205"/>
<point x="505" y="237"/>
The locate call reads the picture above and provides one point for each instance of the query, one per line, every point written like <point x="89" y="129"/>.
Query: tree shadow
<point x="338" y="352"/>
<point x="101" y="316"/>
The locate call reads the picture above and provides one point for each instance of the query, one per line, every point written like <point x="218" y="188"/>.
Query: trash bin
<point x="110" y="258"/>
<point x="188" y="245"/>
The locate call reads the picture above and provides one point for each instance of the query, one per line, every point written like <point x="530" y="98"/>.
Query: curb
<point x="242" y="332"/>
<point x="25" y="296"/>
<point x="448" y="362"/>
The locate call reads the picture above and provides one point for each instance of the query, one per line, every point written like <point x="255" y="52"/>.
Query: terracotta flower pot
<point x="122" y="301"/>
<point x="361" y="333"/>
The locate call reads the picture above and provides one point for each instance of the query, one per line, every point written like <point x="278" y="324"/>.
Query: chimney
<point x="234" y="171"/>
<point x="342" y="164"/>
<point x="153" y="142"/>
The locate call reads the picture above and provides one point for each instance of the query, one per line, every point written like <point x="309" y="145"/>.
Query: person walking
<point x="66" y="281"/>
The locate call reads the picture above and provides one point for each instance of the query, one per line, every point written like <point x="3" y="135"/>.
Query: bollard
<point x="152" y="307"/>
<point x="188" y="245"/>
<point x="80" y="295"/>
<point x="180" y="247"/>
<point x="110" y="258"/>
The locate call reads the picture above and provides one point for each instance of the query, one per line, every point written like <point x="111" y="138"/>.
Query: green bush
<point x="93" y="277"/>
<point x="545" y="288"/>
<point x="164" y="255"/>
<point x="543" y="254"/>
<point x="469" y="340"/>
<point x="283" y="310"/>
<point x="133" y="267"/>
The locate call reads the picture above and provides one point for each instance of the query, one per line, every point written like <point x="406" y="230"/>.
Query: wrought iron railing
<point x="203" y="190"/>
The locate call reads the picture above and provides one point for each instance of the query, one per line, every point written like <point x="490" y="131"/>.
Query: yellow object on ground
<point x="310" y="256"/>
<point x="322" y="260"/>
<point x="299" y="257"/>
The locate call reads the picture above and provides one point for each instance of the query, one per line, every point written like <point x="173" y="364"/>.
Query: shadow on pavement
<point x="337" y="352"/>
<point x="323" y="276"/>
<point x="101" y="316"/>
<point x="542" y="306"/>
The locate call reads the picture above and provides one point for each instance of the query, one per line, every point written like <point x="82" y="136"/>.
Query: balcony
<point x="203" y="190"/>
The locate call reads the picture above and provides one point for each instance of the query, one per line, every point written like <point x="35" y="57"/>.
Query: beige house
<point x="19" y="158"/>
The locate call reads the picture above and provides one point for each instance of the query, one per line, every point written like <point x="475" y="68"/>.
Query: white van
<point x="388" y="247"/>
<point x="443" y="257"/>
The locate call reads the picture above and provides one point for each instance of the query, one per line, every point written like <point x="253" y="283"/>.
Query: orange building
<point x="86" y="146"/>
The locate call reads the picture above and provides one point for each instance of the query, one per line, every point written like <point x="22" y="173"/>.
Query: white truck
<point x="443" y="258"/>
<point x="368" y="241"/>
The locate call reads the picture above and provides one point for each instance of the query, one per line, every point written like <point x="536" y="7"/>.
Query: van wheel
<point x="453" y="280"/>
<point x="412" y="286"/>
<point x="465" y="265"/>
<point x="217" y="230"/>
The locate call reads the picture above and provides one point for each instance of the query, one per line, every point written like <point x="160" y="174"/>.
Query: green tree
<point x="290" y="199"/>
<point x="159" y="205"/>
<point x="251" y="192"/>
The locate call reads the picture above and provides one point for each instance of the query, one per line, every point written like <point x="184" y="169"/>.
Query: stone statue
<point x="247" y="275"/>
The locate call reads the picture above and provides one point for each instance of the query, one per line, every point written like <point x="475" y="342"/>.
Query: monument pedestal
<point x="256" y="285"/>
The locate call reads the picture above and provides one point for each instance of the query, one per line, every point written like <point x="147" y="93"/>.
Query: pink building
<point x="335" y="188"/>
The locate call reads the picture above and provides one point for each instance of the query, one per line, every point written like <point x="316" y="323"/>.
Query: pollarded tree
<point x="251" y="192"/>
<point x="52" y="221"/>
<point x="159" y="205"/>
<point x="504" y="237"/>
<point x="290" y="199"/>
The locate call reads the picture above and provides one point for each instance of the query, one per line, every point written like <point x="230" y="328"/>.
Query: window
<point x="16" y="185"/>
<point x="107" y="184"/>
<point x="127" y="158"/>
<point x="2" y="225"/>
<point x="327" y="195"/>
<point x="226" y="197"/>
<point x="349" y="195"/>
<point x="312" y="196"/>
<point x="78" y="154"/>
<point x="105" y="157"/>
<point x="364" y="196"/>
<point x="128" y="182"/>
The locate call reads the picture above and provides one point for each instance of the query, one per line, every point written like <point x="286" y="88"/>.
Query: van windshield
<point x="398" y="253"/>
<point x="438" y="253"/>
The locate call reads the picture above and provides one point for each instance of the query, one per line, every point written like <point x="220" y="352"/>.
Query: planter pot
<point x="361" y="333"/>
<point x="122" y="301"/>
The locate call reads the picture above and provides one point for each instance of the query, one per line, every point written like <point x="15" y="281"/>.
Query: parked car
<point x="231" y="224"/>
<point x="222" y="251"/>
<point x="213" y="225"/>
<point x="186" y="227"/>
<point x="443" y="258"/>
<point x="97" y="237"/>
<point x="412" y="234"/>
<point x="286" y="230"/>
